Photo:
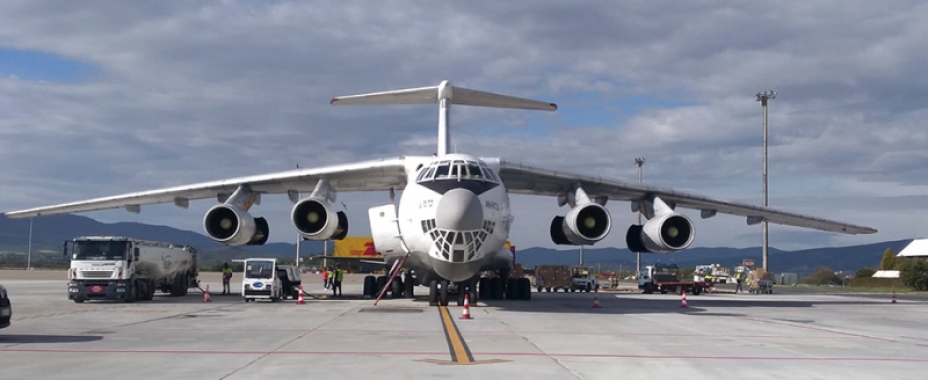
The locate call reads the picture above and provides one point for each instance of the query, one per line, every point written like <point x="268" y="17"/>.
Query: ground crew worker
<point x="325" y="278"/>
<point x="739" y="278"/>
<point x="330" y="275"/>
<point x="337" y="281"/>
<point x="226" y="278"/>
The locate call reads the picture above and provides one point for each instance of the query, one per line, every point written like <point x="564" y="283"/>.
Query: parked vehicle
<point x="6" y="308"/>
<point x="555" y="277"/>
<point x="260" y="280"/>
<point x="583" y="280"/>
<point x="127" y="269"/>
<point x="663" y="278"/>
<point x="290" y="280"/>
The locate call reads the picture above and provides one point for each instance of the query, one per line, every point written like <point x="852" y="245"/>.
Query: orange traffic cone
<point x="206" y="294"/>
<point x="466" y="314"/>
<point x="596" y="299"/>
<point x="683" y="304"/>
<point x="894" y="296"/>
<point x="300" y="300"/>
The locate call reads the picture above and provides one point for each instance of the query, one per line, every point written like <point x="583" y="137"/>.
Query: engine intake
<point x="662" y="234"/>
<point x="314" y="220"/>
<point x="235" y="227"/>
<point x="583" y="225"/>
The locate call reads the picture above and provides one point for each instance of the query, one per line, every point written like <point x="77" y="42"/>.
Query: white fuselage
<point x="454" y="217"/>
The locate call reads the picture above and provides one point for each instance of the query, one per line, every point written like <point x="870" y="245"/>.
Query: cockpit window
<point x="457" y="170"/>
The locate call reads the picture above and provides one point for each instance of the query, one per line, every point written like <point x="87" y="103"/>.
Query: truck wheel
<point x="648" y="288"/>
<point x="589" y="287"/>
<point x="664" y="291"/>
<point x="78" y="301"/>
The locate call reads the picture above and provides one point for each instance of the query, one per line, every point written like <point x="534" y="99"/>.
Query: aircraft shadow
<point x="48" y="339"/>
<point x="696" y="305"/>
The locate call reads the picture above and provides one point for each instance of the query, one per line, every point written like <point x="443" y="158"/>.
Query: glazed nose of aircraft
<point x="459" y="210"/>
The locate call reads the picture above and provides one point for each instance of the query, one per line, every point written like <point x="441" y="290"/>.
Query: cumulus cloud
<point x="186" y="92"/>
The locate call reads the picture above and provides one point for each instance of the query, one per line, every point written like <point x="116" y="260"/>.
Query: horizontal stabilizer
<point x="456" y="95"/>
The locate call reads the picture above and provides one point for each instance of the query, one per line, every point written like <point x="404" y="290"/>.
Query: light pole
<point x="763" y="97"/>
<point x="640" y="162"/>
<point x="29" y="250"/>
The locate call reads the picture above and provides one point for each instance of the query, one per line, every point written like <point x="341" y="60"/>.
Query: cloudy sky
<point x="103" y="98"/>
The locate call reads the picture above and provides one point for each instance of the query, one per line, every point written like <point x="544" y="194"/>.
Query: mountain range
<point x="51" y="231"/>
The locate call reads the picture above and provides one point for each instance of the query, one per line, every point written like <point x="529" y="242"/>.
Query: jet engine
<point x="583" y="225"/>
<point x="233" y="226"/>
<point x="667" y="233"/>
<point x="314" y="220"/>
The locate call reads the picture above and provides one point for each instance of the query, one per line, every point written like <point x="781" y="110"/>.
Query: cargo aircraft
<point x="454" y="216"/>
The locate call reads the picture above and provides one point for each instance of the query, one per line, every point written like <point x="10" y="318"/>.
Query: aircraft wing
<point x="522" y="179"/>
<point x="377" y="175"/>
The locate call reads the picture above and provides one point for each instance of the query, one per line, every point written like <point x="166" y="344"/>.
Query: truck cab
<point x="102" y="268"/>
<point x="260" y="280"/>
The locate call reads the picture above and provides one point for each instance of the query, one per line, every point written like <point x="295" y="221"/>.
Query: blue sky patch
<point x="587" y="110"/>
<point x="40" y="66"/>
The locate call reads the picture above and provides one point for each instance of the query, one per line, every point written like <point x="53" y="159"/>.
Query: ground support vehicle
<point x="553" y="277"/>
<point x="663" y="278"/>
<point x="290" y="280"/>
<point x="583" y="280"/>
<point x="127" y="269"/>
<point x="260" y="280"/>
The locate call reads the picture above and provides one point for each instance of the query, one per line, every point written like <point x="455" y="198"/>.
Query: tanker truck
<point x="125" y="269"/>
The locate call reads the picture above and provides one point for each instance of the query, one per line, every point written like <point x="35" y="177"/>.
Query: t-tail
<point x="445" y="95"/>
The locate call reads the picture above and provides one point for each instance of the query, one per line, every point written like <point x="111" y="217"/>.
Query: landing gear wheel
<point x="513" y="289"/>
<point x="444" y="293"/>
<point x="483" y="285"/>
<point x="408" y="285"/>
<point x="526" y="289"/>
<point x="381" y="283"/>
<point x="496" y="288"/>
<point x="433" y="293"/>
<point x="370" y="286"/>
<point x="396" y="286"/>
<point x="462" y="290"/>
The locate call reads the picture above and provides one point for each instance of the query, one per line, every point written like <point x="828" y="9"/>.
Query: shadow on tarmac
<point x="696" y="305"/>
<point x="48" y="339"/>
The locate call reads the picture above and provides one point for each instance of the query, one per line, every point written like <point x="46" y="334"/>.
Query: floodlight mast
<point x="763" y="97"/>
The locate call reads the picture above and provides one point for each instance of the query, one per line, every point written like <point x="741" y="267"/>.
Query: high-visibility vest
<point x="227" y="272"/>
<point x="338" y="275"/>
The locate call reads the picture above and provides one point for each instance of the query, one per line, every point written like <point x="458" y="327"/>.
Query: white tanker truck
<point x="127" y="269"/>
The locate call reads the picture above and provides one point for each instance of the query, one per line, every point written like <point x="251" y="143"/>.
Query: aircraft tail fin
<point x="445" y="95"/>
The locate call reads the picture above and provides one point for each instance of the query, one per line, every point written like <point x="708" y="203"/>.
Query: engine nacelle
<point x="583" y="225"/>
<point x="314" y="220"/>
<point x="661" y="234"/>
<point x="232" y="226"/>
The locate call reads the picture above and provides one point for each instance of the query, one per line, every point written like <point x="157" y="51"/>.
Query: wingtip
<point x="333" y="100"/>
<point x="554" y="106"/>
